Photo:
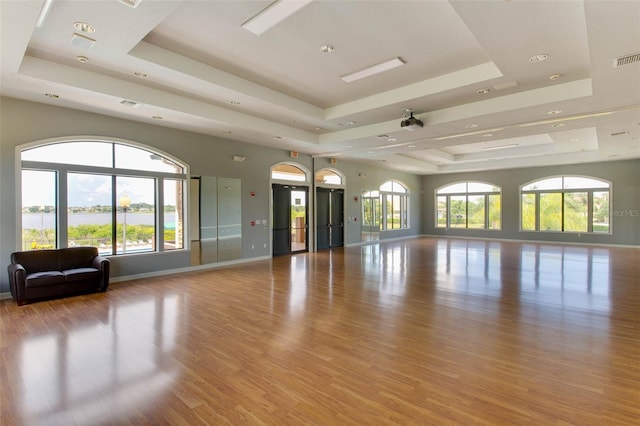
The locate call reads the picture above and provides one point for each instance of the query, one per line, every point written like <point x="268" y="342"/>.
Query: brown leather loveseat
<point x="40" y="274"/>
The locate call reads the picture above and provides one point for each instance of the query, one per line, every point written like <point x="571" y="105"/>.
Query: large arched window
<point x="566" y="204"/>
<point x="111" y="195"/>
<point x="469" y="205"/>
<point x="394" y="202"/>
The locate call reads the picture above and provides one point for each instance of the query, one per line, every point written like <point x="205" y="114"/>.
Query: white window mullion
<point x="62" y="210"/>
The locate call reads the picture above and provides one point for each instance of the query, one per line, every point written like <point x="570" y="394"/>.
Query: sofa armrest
<point x="17" y="281"/>
<point x="102" y="263"/>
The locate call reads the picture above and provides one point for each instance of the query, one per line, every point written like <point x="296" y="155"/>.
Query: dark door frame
<point x="282" y="226"/>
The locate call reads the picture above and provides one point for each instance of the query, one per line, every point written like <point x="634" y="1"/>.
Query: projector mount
<point x="410" y="123"/>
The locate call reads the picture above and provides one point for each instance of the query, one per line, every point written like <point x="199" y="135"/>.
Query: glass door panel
<point x="322" y="218"/>
<point x="298" y="220"/>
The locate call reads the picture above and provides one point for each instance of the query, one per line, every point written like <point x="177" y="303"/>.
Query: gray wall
<point x="23" y="122"/>
<point x="624" y="175"/>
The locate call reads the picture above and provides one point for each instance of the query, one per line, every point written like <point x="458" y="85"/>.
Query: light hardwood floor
<point x="420" y="331"/>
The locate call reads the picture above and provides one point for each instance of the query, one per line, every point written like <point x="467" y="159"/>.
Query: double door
<point x="330" y="218"/>
<point x="290" y="219"/>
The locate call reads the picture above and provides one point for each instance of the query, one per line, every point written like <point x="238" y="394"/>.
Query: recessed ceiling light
<point x="557" y="125"/>
<point x="487" y="135"/>
<point x="327" y="48"/>
<point x="471" y="126"/>
<point x="392" y="140"/>
<point x="411" y="146"/>
<point x="84" y="27"/>
<point x="157" y="117"/>
<point x="318" y="129"/>
<point x="539" y="58"/>
<point x="52" y="95"/>
<point x="491" y="148"/>
<point x="127" y="102"/>
<point x="554" y="76"/>
<point x="44" y="12"/>
<point x="131" y="3"/>
<point x="574" y="139"/>
<point x="483" y="91"/>
<point x="83" y="59"/>
<point x="350" y="123"/>
<point x="272" y="15"/>
<point x="373" y="70"/>
<point x="554" y="112"/>
<point x="141" y="74"/>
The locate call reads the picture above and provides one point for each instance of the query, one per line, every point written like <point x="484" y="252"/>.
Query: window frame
<point x="563" y="192"/>
<point x="333" y="172"/>
<point x="443" y="192"/>
<point x="403" y="199"/>
<point x="302" y="171"/>
<point x="63" y="170"/>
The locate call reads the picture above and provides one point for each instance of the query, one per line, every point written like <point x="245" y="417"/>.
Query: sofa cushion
<point x="81" y="274"/>
<point x="45" y="278"/>
<point x="37" y="260"/>
<point x="76" y="257"/>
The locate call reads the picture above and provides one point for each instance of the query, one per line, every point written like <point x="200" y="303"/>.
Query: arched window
<point x="566" y="204"/>
<point x="111" y="195"/>
<point x="328" y="177"/>
<point x="394" y="202"/>
<point x="290" y="172"/>
<point x="468" y="205"/>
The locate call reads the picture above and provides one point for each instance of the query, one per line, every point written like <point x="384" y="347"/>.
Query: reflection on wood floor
<point x="421" y="331"/>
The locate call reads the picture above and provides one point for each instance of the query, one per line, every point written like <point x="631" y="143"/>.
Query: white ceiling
<point x="207" y="74"/>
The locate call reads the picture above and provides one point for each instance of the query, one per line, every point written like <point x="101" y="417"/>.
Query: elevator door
<point x="330" y="218"/>
<point x="290" y="219"/>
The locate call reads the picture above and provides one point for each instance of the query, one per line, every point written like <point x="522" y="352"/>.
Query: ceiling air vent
<point x="626" y="60"/>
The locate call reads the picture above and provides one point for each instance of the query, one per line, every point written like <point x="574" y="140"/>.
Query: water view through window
<point x="112" y="208"/>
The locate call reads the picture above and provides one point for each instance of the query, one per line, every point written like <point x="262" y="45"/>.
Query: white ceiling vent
<point x="78" y="40"/>
<point x="626" y="60"/>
